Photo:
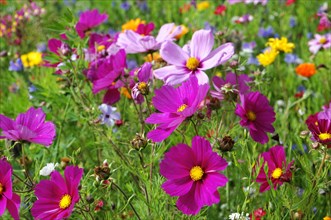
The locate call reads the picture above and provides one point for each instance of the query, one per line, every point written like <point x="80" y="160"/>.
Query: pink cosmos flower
<point x="29" y="126"/>
<point x="57" y="196"/>
<point x="193" y="59"/>
<point x="88" y="20"/>
<point x="175" y="105"/>
<point x="278" y="170"/>
<point x="235" y="84"/>
<point x="257" y="115"/>
<point x="144" y="74"/>
<point x="8" y="199"/>
<point x="324" y="23"/>
<point x="193" y="175"/>
<point x="320" y="41"/>
<point x="133" y="42"/>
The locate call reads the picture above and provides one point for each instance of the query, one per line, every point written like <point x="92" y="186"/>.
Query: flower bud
<point x="139" y="142"/>
<point x="304" y="134"/>
<point x="102" y="172"/>
<point x="226" y="143"/>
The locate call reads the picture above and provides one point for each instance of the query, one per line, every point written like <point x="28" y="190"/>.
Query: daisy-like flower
<point x="29" y="126"/>
<point x="109" y="115"/>
<point x="31" y="59"/>
<point x="257" y="115"/>
<point x="280" y="44"/>
<point x="306" y="70"/>
<point x="319" y="42"/>
<point x="232" y="85"/>
<point x="267" y="57"/>
<point x="57" y="196"/>
<point x="193" y="175"/>
<point x="193" y="59"/>
<point x="278" y="170"/>
<point x="8" y="199"/>
<point x="88" y="20"/>
<point x="175" y="105"/>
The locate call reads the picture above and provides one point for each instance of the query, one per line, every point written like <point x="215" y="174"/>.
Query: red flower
<point x="220" y="10"/>
<point x="257" y="214"/>
<point x="289" y="2"/>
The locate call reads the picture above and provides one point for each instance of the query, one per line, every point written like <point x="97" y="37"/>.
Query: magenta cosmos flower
<point x="278" y="170"/>
<point x="175" y="105"/>
<point x="57" y="196"/>
<point x="193" y="175"/>
<point x="8" y="199"/>
<point x="193" y="59"/>
<point x="257" y="115"/>
<point x="319" y="42"/>
<point x="88" y="20"/>
<point x="29" y="126"/>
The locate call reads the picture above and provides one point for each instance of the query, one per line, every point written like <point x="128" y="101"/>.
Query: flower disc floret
<point x="65" y="202"/>
<point x="196" y="173"/>
<point x="192" y="63"/>
<point x="276" y="174"/>
<point x="324" y="136"/>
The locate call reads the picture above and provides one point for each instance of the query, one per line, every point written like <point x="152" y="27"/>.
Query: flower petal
<point x="218" y="56"/>
<point x="202" y="43"/>
<point x="173" y="54"/>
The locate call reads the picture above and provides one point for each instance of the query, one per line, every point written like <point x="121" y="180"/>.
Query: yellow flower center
<point x="192" y="63"/>
<point x="182" y="108"/>
<point x="142" y="86"/>
<point x="324" y="136"/>
<point x="323" y="40"/>
<point x="101" y="48"/>
<point x="1" y="189"/>
<point x="277" y="173"/>
<point x="251" y="115"/>
<point x="65" y="201"/>
<point x="196" y="173"/>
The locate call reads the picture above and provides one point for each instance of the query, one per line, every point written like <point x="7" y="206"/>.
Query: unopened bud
<point x="226" y="143"/>
<point x="65" y="161"/>
<point x="65" y="49"/>
<point x="102" y="172"/>
<point x="304" y="134"/>
<point x="234" y="64"/>
<point x="139" y="142"/>
<point x="89" y="199"/>
<point x="298" y="215"/>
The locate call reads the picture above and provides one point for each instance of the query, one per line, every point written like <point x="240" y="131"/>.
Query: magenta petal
<point x="54" y="45"/>
<point x="159" y="135"/>
<point x="49" y="190"/>
<point x="45" y="209"/>
<point x="3" y="205"/>
<point x="215" y="163"/>
<point x="188" y="204"/>
<point x="206" y="192"/>
<point x="218" y="56"/>
<point x="6" y="123"/>
<point x="111" y="97"/>
<point x="201" y="44"/>
<point x="166" y="99"/>
<point x="158" y="118"/>
<point x="173" y="54"/>
<point x="58" y="180"/>
<point x="178" y="187"/>
<point x="32" y="119"/>
<point x="259" y="136"/>
<point x="73" y="176"/>
<point x="201" y="149"/>
<point x="13" y="206"/>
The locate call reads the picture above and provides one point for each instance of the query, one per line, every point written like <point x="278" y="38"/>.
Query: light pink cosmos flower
<point x="133" y="42"/>
<point x="8" y="199"/>
<point x="193" y="59"/>
<point x="319" y="42"/>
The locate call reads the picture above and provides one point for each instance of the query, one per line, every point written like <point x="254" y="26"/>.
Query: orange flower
<point x="306" y="69"/>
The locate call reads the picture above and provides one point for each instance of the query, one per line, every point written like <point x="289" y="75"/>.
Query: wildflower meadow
<point x="165" y="109"/>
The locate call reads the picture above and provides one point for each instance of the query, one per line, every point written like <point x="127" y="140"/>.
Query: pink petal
<point x="201" y="44"/>
<point x="47" y="189"/>
<point x="178" y="187"/>
<point x="3" y="204"/>
<point x="6" y="123"/>
<point x="173" y="54"/>
<point x="202" y="77"/>
<point x="13" y="206"/>
<point x="188" y="204"/>
<point x="218" y="56"/>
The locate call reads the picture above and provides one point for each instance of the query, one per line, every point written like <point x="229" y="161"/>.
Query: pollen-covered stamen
<point x="182" y="108"/>
<point x="276" y="174"/>
<point x="65" y="202"/>
<point x="192" y="63"/>
<point x="2" y="189"/>
<point x="101" y="48"/>
<point x="143" y="88"/>
<point x="324" y="136"/>
<point x="196" y="173"/>
<point x="251" y="115"/>
<point x="322" y="40"/>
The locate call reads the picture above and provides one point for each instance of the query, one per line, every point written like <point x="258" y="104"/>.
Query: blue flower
<point x="266" y="32"/>
<point x="125" y="6"/>
<point x="292" y="58"/>
<point x="15" y="66"/>
<point x="109" y="115"/>
<point x="293" y="22"/>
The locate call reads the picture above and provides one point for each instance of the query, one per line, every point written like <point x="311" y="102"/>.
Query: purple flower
<point x="133" y="42"/>
<point x="16" y="66"/>
<point x="175" y="105"/>
<point x="193" y="175"/>
<point x="266" y="32"/>
<point x="109" y="115"/>
<point x="252" y="61"/>
<point x="192" y="59"/>
<point x="57" y="197"/>
<point x="208" y="26"/>
<point x="232" y="84"/>
<point x="125" y="5"/>
<point x="319" y="42"/>
<point x="278" y="170"/>
<point x="292" y="58"/>
<point x="248" y="47"/>
<point x="29" y="126"/>
<point x="293" y="22"/>
<point x="141" y="88"/>
<point x="257" y="115"/>
<point x="88" y="20"/>
<point x="8" y="199"/>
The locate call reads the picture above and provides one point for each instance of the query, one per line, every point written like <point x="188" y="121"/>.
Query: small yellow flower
<point x="184" y="31"/>
<point x="268" y="57"/>
<point x="132" y="24"/>
<point x="203" y="5"/>
<point x="280" y="44"/>
<point x="31" y="59"/>
<point x="126" y="93"/>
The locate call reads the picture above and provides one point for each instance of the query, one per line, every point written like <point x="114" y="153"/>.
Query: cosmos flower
<point x="175" y="105"/>
<point x="280" y="44"/>
<point x="141" y="88"/>
<point x="109" y="115"/>
<point x="8" y="199"/>
<point x="267" y="57"/>
<point x="29" y="126"/>
<point x="232" y="84"/>
<point x="88" y="20"/>
<point x="319" y="42"/>
<point x="306" y="70"/>
<point x="133" y="42"/>
<point x="193" y="175"/>
<point x="192" y="59"/>
<point x="57" y="197"/>
<point x="278" y="170"/>
<point x="257" y="115"/>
